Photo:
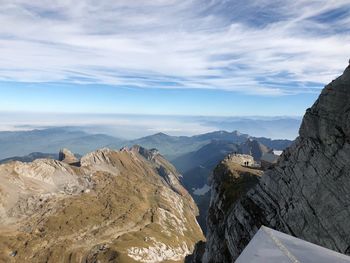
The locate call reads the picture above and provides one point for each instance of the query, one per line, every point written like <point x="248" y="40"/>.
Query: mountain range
<point x="194" y="157"/>
<point x="21" y="143"/>
<point x="132" y="205"/>
<point x="112" y="206"/>
<point x="306" y="195"/>
<point x="196" y="168"/>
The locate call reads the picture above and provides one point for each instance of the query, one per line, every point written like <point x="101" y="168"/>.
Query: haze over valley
<point x="133" y="126"/>
<point x="175" y="131"/>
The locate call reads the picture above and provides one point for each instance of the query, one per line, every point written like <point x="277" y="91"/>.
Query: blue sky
<point x="223" y="58"/>
<point x="97" y="98"/>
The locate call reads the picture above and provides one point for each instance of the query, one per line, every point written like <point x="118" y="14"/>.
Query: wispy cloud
<point x="255" y="46"/>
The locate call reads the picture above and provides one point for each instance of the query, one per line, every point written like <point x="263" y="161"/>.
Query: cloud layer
<point x="254" y="46"/>
<point x="133" y="126"/>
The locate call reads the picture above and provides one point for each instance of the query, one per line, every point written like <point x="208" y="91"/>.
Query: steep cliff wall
<point x="307" y="195"/>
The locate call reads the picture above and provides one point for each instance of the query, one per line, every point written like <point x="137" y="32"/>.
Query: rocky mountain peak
<point x="237" y="133"/>
<point x="96" y="157"/>
<point x="67" y="156"/>
<point x="148" y="154"/>
<point x="329" y="117"/>
<point x="117" y="206"/>
<point x="307" y="193"/>
<point x="254" y="148"/>
<point x="161" y="134"/>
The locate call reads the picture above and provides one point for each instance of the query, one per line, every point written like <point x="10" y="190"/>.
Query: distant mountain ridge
<point x="197" y="166"/>
<point x="21" y="143"/>
<point x="305" y="195"/>
<point x="254" y="148"/>
<point x="30" y="157"/>
<point x="208" y="155"/>
<point x="194" y="156"/>
<point x="174" y="146"/>
<point x="270" y="127"/>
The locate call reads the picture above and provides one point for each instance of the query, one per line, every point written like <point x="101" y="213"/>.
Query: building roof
<point x="275" y="247"/>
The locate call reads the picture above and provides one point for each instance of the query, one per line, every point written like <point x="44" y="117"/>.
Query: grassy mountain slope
<point x="117" y="206"/>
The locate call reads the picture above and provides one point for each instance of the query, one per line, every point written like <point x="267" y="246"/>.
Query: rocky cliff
<point x="232" y="180"/>
<point x="254" y="148"/>
<point x="113" y="206"/>
<point x="67" y="156"/>
<point x="306" y="195"/>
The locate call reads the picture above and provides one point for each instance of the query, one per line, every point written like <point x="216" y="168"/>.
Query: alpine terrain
<point x="306" y="195"/>
<point x="109" y="206"/>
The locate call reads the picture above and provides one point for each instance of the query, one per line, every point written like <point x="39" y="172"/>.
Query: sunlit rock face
<point x="114" y="206"/>
<point x="306" y="195"/>
<point x="231" y="180"/>
<point x="67" y="156"/>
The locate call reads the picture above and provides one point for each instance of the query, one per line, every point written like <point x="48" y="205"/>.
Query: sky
<point x="132" y="126"/>
<point x="170" y="57"/>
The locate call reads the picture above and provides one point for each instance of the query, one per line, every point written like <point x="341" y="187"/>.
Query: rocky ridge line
<point x="306" y="195"/>
<point x="115" y="206"/>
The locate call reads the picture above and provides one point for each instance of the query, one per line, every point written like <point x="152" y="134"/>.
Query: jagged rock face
<point x="24" y="187"/>
<point x="115" y="207"/>
<point x="306" y="195"/>
<point x="254" y="148"/>
<point x="67" y="156"/>
<point x="231" y="180"/>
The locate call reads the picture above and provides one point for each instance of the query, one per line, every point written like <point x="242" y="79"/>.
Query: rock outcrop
<point x="306" y="195"/>
<point x="254" y="148"/>
<point x="231" y="181"/>
<point x="116" y="206"/>
<point x="67" y="156"/>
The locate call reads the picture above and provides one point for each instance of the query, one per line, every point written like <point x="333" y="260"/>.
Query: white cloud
<point x="193" y="44"/>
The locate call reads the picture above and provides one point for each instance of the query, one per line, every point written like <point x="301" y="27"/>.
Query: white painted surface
<point x="275" y="247"/>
